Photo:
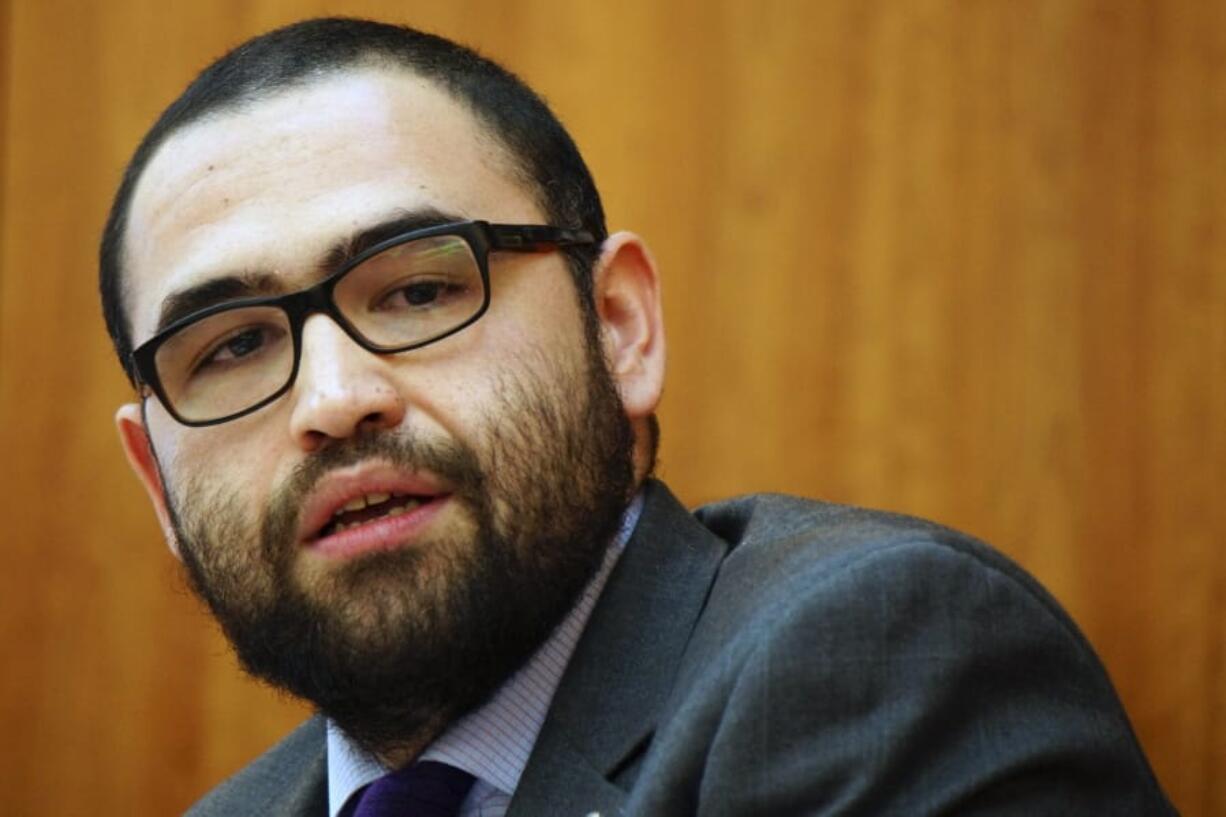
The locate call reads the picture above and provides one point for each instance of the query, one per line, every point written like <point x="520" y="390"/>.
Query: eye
<point x="240" y="347"/>
<point x="419" y="294"/>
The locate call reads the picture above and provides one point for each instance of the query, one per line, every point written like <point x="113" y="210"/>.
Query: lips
<point x="369" y="507"/>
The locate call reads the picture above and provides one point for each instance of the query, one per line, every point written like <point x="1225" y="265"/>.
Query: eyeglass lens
<point x="408" y="294"/>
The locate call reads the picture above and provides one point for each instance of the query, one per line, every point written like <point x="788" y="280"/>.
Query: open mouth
<point x="368" y="507"/>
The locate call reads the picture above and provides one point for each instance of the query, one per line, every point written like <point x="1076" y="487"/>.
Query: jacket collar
<point x="623" y="669"/>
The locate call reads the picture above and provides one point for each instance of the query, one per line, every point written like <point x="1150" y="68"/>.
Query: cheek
<point x="535" y="298"/>
<point x="220" y="457"/>
<point x="461" y="389"/>
<point x="452" y="399"/>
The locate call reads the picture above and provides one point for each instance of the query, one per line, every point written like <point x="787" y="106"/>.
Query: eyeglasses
<point x="409" y="291"/>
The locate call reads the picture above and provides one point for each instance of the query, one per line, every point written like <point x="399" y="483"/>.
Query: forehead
<point x="272" y="186"/>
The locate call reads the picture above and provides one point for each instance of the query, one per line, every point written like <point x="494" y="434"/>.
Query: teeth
<point x="360" y="502"/>
<point x="410" y="504"/>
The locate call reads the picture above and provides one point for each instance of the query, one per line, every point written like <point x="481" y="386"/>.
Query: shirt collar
<point x="492" y="742"/>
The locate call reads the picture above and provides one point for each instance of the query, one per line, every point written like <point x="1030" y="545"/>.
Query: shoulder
<point x="776" y="525"/>
<point x="288" y="779"/>
<point x="794" y="552"/>
<point x="848" y="643"/>
<point x="836" y="580"/>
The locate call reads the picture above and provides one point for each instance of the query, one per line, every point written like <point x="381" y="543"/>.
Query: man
<point x="397" y="387"/>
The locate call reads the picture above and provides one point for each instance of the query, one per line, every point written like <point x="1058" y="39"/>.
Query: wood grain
<point x="964" y="260"/>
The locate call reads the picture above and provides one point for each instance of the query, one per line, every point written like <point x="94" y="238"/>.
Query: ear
<point x="134" y="436"/>
<point x="626" y="288"/>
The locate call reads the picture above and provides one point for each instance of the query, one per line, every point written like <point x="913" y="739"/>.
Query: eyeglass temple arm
<point x="532" y="237"/>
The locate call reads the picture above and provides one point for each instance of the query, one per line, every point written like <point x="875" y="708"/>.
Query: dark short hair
<point x="535" y="141"/>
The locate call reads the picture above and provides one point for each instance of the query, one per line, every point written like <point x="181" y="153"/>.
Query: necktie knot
<point x="425" y="789"/>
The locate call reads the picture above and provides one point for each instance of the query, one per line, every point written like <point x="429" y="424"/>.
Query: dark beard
<point x="395" y="645"/>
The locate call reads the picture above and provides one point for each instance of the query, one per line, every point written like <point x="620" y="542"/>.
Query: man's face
<point x="503" y="449"/>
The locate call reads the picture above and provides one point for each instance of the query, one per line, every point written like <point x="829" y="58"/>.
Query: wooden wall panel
<point x="4" y="84"/>
<point x="959" y="259"/>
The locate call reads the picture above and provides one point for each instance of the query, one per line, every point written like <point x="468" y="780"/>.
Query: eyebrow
<point x="186" y="302"/>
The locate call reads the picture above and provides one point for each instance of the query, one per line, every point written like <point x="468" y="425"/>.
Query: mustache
<point x="449" y="459"/>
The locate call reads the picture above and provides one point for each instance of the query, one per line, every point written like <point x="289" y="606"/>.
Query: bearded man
<point x="396" y="407"/>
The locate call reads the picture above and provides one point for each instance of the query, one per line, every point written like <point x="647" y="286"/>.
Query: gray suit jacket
<point x="773" y="656"/>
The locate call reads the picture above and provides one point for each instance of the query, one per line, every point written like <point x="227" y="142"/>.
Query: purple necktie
<point x="425" y="789"/>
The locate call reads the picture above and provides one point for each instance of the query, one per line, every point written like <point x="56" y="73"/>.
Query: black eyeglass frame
<point x="482" y="237"/>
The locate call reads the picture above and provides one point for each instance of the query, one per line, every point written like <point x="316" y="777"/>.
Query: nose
<point x="341" y="389"/>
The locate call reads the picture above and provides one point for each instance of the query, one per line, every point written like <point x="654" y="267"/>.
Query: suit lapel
<point x="306" y="796"/>
<point x="289" y="780"/>
<point x="623" y="669"/>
